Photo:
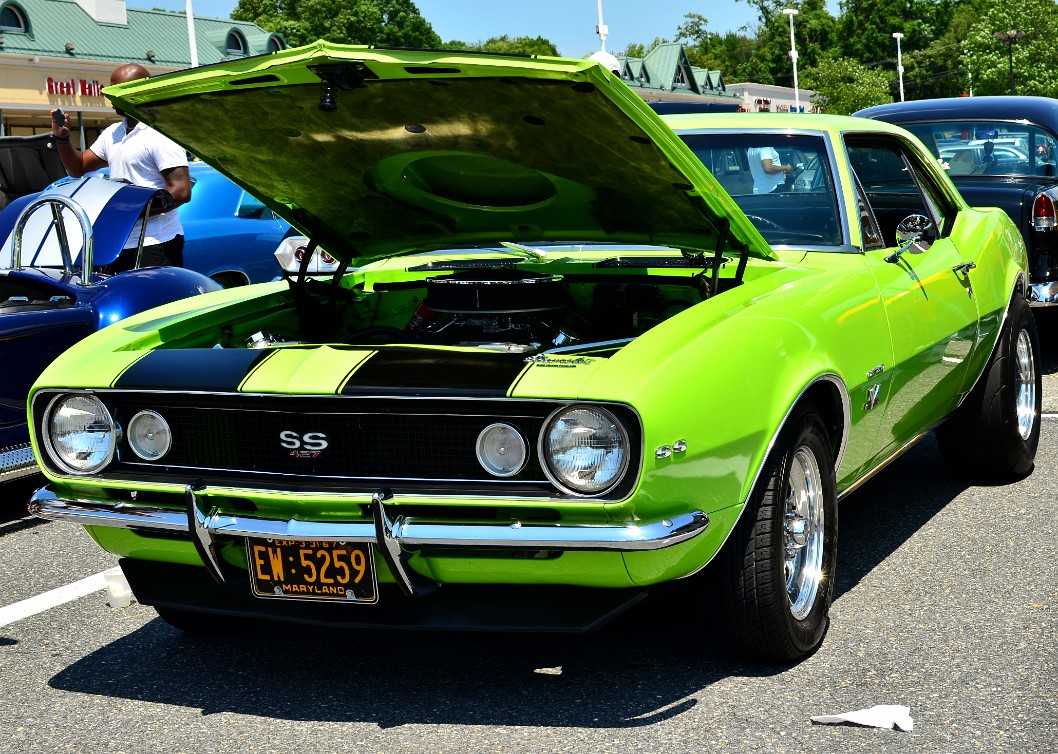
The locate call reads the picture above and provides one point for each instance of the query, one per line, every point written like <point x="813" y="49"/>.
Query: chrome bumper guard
<point x="395" y="537"/>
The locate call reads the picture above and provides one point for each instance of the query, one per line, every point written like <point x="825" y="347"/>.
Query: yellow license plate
<point x="329" y="571"/>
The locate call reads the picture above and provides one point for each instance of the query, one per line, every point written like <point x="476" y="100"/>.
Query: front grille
<point x="411" y="446"/>
<point x="391" y="446"/>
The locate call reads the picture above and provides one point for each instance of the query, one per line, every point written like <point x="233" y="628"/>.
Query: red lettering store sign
<point x="74" y="87"/>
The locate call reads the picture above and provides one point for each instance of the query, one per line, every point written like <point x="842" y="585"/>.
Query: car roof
<point x="1042" y="110"/>
<point x="779" y="122"/>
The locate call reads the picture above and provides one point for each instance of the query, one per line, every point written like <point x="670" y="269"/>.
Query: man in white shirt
<point x="766" y="169"/>
<point x="140" y="155"/>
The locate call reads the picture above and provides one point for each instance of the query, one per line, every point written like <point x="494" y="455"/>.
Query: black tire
<point x="197" y="622"/>
<point x="995" y="432"/>
<point x="778" y="616"/>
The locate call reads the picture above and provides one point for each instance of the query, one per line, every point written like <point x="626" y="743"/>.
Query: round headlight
<point x="80" y="434"/>
<point x="585" y="449"/>
<point x="501" y="449"/>
<point x="149" y="436"/>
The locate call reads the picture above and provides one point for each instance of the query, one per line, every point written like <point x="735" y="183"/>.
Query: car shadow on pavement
<point x="1047" y="324"/>
<point x="644" y="667"/>
<point x="636" y="672"/>
<point x="14" y="496"/>
<point x="879" y="517"/>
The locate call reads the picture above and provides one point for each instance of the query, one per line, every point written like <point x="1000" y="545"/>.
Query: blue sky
<point x="570" y="24"/>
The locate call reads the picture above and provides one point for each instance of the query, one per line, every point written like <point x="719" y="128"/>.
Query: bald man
<point x="138" y="154"/>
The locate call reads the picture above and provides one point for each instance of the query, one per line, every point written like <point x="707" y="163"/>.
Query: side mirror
<point x="911" y="231"/>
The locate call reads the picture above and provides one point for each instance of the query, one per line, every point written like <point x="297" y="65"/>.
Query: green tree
<point x="729" y="53"/>
<point x="815" y="33"/>
<point x="866" y="27"/>
<point x="942" y="68"/>
<point x="393" y="23"/>
<point x="505" y="44"/>
<point x="844" y="86"/>
<point x="1031" y="56"/>
<point x="522" y="45"/>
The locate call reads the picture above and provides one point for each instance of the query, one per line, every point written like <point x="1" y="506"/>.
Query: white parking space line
<point x="54" y="598"/>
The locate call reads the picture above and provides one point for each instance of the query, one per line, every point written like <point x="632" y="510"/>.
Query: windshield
<point x="782" y="182"/>
<point x="989" y="147"/>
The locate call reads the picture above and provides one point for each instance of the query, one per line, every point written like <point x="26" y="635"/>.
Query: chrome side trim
<point x="17" y="461"/>
<point x="870" y="474"/>
<point x="408" y="533"/>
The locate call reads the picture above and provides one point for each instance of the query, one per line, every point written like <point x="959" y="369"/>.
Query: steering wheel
<point x="763" y="223"/>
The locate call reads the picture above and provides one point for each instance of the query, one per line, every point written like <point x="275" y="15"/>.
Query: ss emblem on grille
<point x="307" y="445"/>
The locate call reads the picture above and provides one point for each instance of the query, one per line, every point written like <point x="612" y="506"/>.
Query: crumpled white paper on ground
<point x="878" y="716"/>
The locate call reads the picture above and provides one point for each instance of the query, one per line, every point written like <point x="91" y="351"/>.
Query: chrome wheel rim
<point x="1025" y="385"/>
<point x="803" y="533"/>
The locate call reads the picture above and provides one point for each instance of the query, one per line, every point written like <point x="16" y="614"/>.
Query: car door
<point x="925" y="287"/>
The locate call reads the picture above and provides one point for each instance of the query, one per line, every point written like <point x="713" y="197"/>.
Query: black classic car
<point x="999" y="152"/>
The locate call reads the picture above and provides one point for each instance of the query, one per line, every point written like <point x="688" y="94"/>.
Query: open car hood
<point x="376" y="153"/>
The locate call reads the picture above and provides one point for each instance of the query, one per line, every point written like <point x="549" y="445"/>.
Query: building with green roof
<point x="666" y="75"/>
<point x="60" y="53"/>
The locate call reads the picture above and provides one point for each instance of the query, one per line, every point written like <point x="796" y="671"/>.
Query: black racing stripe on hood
<point x="220" y="369"/>
<point x="436" y="373"/>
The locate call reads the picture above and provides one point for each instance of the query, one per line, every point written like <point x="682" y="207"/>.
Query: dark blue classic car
<point x="1000" y="152"/>
<point x="50" y="298"/>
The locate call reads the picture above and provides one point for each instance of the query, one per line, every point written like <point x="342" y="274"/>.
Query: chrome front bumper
<point x="1044" y="294"/>
<point x="394" y="536"/>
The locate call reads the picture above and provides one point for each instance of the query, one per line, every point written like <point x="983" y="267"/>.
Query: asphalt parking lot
<point x="946" y="602"/>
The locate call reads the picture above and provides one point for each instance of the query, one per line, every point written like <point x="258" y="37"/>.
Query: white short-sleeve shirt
<point x="764" y="183"/>
<point x="139" y="157"/>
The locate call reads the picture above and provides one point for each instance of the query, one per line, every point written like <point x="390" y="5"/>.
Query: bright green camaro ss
<point x="573" y="351"/>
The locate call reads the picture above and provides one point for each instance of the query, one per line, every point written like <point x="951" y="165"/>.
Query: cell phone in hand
<point x="60" y="118"/>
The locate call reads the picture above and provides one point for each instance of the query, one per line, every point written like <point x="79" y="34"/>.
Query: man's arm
<point x="774" y="167"/>
<point x="178" y="184"/>
<point x="76" y="163"/>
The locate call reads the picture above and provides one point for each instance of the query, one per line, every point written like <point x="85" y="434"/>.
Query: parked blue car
<point x="999" y="152"/>
<point x="50" y="297"/>
<point x="228" y="234"/>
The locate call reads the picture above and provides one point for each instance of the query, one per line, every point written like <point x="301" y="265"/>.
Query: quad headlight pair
<point x="81" y="435"/>
<point x="583" y="450"/>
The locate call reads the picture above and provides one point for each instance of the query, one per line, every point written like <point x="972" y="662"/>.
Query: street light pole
<point x="791" y="12"/>
<point x="899" y="62"/>
<point x="1009" y="38"/>
<point x="602" y="30"/>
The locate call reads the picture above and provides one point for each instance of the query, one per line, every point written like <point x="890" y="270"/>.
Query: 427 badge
<point x="307" y="445"/>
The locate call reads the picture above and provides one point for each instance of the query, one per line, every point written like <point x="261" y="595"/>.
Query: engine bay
<point x="504" y="309"/>
<point x="485" y="302"/>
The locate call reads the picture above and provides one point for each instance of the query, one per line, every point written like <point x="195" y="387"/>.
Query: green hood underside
<point x="377" y="153"/>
